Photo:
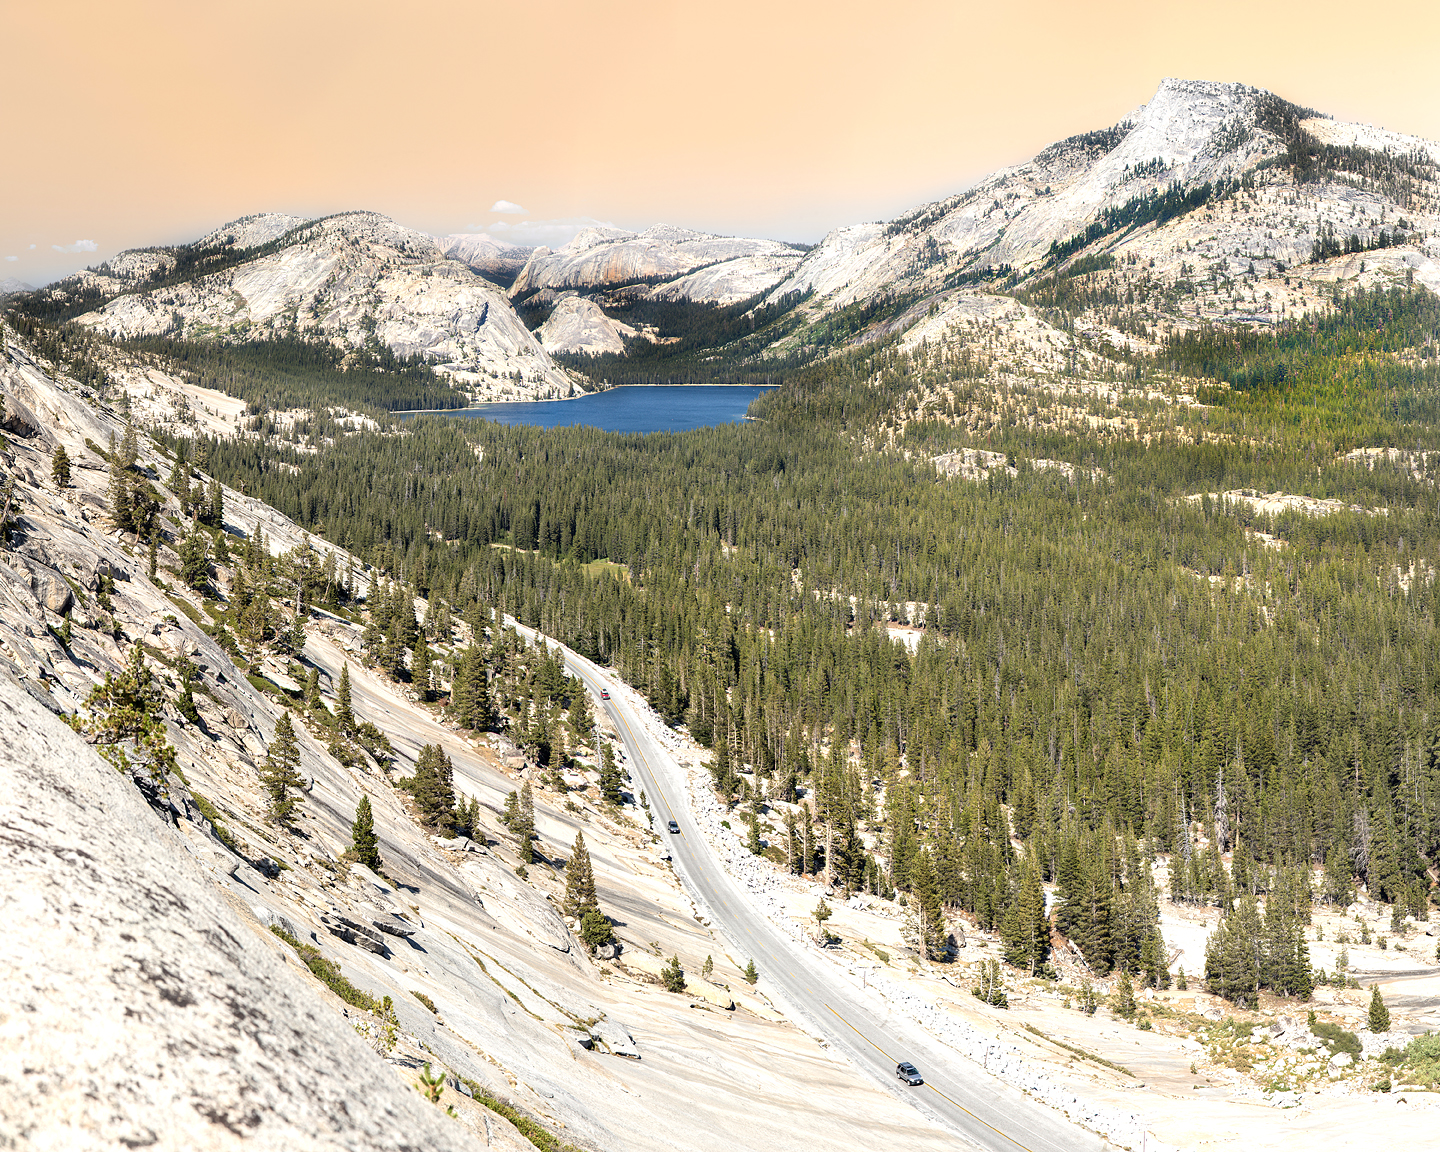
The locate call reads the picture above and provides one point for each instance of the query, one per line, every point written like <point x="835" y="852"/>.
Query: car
<point x="604" y="694"/>
<point x="909" y="1073"/>
<point x="674" y="827"/>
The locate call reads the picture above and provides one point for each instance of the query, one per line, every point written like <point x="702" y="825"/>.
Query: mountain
<point x="1213" y="201"/>
<point x="9" y="286"/>
<point x="577" y="324"/>
<point x="675" y="264"/>
<point x="494" y="259"/>
<point x="353" y="281"/>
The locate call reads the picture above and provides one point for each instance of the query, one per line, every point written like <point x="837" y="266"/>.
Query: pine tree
<point x="1379" y="1014"/>
<point x="1124" y="999"/>
<point x="750" y="974"/>
<point x="363" y="841"/>
<point x="433" y="786"/>
<point x="60" y="467"/>
<point x="179" y="479"/>
<point x="344" y="717"/>
<point x="595" y="928"/>
<point x="195" y="558"/>
<point x="579" y="881"/>
<point x="129" y="446"/>
<point x="1152" y="959"/>
<point x="752" y="839"/>
<point x="611" y="780"/>
<point x="420" y="668"/>
<point x="673" y="976"/>
<point x="280" y="774"/>
<point x="925" y="916"/>
<point x="216" y="510"/>
<point x="122" y="515"/>
<point x="522" y="823"/>
<point x="1025" y="930"/>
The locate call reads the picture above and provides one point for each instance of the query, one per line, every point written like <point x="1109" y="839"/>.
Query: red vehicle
<point x="604" y="693"/>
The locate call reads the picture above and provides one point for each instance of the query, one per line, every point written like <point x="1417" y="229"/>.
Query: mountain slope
<point x="671" y="259"/>
<point x="1212" y="201"/>
<point x="494" y="259"/>
<point x="351" y="280"/>
<point x="489" y="982"/>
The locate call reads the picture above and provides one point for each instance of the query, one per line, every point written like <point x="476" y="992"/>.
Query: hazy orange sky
<point x="132" y="123"/>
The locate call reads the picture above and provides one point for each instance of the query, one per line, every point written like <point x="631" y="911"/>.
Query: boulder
<point x="615" y="1038"/>
<point x="608" y="951"/>
<point x="272" y="919"/>
<point x="353" y="932"/>
<point x="394" y="925"/>
<point x="709" y="993"/>
<point x="53" y="592"/>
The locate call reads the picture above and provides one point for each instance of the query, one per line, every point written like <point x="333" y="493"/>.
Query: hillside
<point x="354" y="282"/>
<point x="211" y="655"/>
<point x="675" y="263"/>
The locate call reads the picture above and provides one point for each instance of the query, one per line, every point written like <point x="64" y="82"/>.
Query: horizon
<point x="808" y="119"/>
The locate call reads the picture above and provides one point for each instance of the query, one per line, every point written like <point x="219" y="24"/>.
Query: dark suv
<point x="909" y="1073"/>
<point x="674" y="827"/>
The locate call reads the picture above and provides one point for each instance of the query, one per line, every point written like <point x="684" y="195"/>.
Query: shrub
<point x="328" y="972"/>
<point x="673" y="976"/>
<point x="425" y="1000"/>
<point x="1336" y="1038"/>
<point x="989" y="987"/>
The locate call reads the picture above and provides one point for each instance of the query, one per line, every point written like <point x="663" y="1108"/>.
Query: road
<point x="957" y="1093"/>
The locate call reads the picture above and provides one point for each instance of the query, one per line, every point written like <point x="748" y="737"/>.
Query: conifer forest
<point x="1122" y="656"/>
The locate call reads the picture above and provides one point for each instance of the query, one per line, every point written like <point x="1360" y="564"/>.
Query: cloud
<point x="12" y="258"/>
<point x="509" y="208"/>
<point x="532" y="233"/>
<point x="32" y="247"/>
<point x="78" y="246"/>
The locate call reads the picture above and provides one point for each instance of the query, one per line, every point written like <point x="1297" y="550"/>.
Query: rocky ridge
<point x="578" y="324"/>
<point x="1211" y="204"/>
<point x="348" y="280"/>
<point x="678" y="263"/>
<point x="494" y="259"/>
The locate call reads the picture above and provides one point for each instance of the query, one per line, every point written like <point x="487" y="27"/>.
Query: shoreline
<point x="565" y="399"/>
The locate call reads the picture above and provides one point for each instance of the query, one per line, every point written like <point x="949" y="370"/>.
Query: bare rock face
<point x="492" y="258"/>
<point x="140" y="1010"/>
<point x="1197" y="136"/>
<point x="577" y="324"/>
<point x="605" y="258"/>
<point x="345" y="279"/>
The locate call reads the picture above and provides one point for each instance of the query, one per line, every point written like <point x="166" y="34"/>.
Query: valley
<point x="1041" y="677"/>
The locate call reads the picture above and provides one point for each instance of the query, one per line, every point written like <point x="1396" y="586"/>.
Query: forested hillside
<point x="1115" y="664"/>
<point x="1156" y="505"/>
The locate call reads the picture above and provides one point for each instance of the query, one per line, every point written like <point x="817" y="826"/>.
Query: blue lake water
<point x="648" y="408"/>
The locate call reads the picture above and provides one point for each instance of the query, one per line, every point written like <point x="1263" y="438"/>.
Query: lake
<point x="643" y="408"/>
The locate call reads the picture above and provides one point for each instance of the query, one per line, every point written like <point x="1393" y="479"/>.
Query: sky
<point x="139" y="122"/>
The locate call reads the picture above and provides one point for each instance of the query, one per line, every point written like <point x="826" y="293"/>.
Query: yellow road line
<point x="932" y="1087"/>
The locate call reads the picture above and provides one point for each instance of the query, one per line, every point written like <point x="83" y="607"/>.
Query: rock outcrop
<point x="577" y="324"/>
<point x="140" y="1010"/>
<point x="1198" y="178"/>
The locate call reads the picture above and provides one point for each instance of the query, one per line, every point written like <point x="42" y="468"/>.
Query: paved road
<point x="957" y="1092"/>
